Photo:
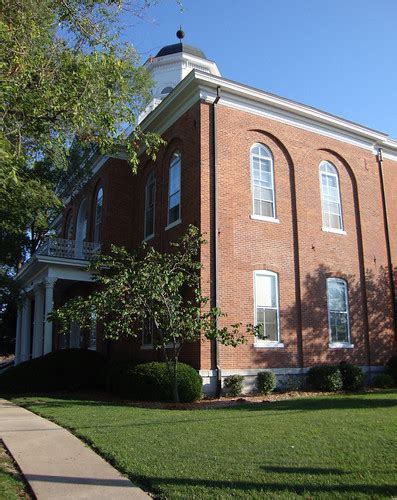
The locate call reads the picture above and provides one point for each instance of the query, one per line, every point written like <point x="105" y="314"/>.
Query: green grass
<point x="322" y="447"/>
<point x="12" y="485"/>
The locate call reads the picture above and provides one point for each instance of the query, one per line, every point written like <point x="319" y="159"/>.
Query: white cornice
<point x="199" y="85"/>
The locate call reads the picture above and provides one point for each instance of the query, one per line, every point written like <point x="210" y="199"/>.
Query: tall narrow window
<point x="330" y="197"/>
<point x="69" y="226"/>
<point x="174" y="189"/>
<point x="266" y="306"/>
<point x="262" y="178"/>
<point x="98" y="216"/>
<point x="338" y="311"/>
<point x="150" y="199"/>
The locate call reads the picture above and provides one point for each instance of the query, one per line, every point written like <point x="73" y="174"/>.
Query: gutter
<point x="379" y="157"/>
<point x="215" y="235"/>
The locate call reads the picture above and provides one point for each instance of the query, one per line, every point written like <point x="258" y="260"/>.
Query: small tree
<point x="147" y="285"/>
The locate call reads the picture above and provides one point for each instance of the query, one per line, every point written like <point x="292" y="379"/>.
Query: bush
<point x="383" y="381"/>
<point x="233" y="385"/>
<point x="392" y="368"/>
<point x="64" y="370"/>
<point x="266" y="382"/>
<point x="325" y="378"/>
<point x="152" y="382"/>
<point x="352" y="377"/>
<point x="120" y="378"/>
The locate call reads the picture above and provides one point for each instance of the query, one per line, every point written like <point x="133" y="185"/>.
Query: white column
<point x="38" y="321"/>
<point x="49" y="284"/>
<point x="25" y="329"/>
<point x="18" y="336"/>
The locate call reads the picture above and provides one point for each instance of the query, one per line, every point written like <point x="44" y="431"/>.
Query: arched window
<point x="98" y="216"/>
<point x="330" y="197"/>
<point x="338" y="311"/>
<point x="262" y="179"/>
<point x="174" y="189"/>
<point x="69" y="226"/>
<point x="150" y="201"/>
<point x="81" y="229"/>
<point x="266" y="307"/>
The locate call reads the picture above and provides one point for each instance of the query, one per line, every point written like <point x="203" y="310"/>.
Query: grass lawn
<point x="334" y="446"/>
<point x="12" y="485"/>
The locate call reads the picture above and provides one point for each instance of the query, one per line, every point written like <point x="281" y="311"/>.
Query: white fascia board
<point x="36" y="263"/>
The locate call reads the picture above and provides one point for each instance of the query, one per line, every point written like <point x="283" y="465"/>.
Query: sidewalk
<point x="57" y="464"/>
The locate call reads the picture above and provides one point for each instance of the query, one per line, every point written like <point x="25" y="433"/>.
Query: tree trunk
<point x="174" y="380"/>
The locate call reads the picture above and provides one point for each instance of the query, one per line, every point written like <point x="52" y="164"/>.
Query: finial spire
<point x="180" y="34"/>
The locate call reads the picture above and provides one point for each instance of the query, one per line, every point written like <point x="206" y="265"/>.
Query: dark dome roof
<point x="180" y="47"/>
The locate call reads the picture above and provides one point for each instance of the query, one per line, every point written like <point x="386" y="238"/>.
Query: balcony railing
<point x="69" y="249"/>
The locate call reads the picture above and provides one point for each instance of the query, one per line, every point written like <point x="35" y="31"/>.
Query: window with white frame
<point x="338" y="311"/>
<point x="174" y="189"/>
<point x="330" y="197"/>
<point x="266" y="306"/>
<point x="150" y="200"/>
<point x="262" y="180"/>
<point x="98" y="216"/>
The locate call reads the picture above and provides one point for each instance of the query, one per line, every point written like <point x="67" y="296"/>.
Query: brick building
<point x="298" y="208"/>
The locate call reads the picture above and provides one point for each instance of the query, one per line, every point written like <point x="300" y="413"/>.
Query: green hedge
<point x="152" y="382"/>
<point x="233" y="385"/>
<point x="68" y="369"/>
<point x="325" y="378"/>
<point x="352" y="377"/>
<point x="266" y="382"/>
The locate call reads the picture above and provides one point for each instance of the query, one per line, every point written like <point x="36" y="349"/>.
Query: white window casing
<point x="174" y="191"/>
<point x="338" y="313"/>
<point x="262" y="183"/>
<point x="331" y="205"/>
<point x="98" y="216"/>
<point x="266" y="308"/>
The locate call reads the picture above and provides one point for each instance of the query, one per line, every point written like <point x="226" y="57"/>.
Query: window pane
<point x="337" y="296"/>
<point x="262" y="181"/>
<point x="331" y="205"/>
<point x="173" y="214"/>
<point x="339" y="327"/>
<point x="265" y="291"/>
<point x="174" y="179"/>
<point x="266" y="209"/>
<point x="271" y="324"/>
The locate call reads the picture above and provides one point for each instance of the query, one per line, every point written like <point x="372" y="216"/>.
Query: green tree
<point x="147" y="285"/>
<point x="66" y="78"/>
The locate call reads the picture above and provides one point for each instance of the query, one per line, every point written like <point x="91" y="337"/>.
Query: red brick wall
<point x="247" y="245"/>
<point x="297" y="249"/>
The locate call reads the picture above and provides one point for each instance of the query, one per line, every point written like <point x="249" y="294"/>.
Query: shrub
<point x="65" y="370"/>
<point x="233" y="385"/>
<point x="152" y="382"/>
<point x="352" y="377"/>
<point x="325" y="378"/>
<point x="392" y="368"/>
<point x="266" y="382"/>
<point x="119" y="378"/>
<point x="383" y="381"/>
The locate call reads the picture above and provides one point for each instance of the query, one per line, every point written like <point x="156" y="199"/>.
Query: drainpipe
<point x="379" y="157"/>
<point x="215" y="234"/>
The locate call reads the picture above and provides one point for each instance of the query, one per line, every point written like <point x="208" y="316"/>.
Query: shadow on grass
<point x="303" y="470"/>
<point x="350" y="490"/>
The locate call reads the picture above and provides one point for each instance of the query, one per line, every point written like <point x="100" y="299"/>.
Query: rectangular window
<point x="330" y="197"/>
<point x="266" y="306"/>
<point x="174" y="190"/>
<point x="338" y="311"/>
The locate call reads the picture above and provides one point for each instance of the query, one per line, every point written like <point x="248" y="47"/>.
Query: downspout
<point x="379" y="157"/>
<point x="215" y="234"/>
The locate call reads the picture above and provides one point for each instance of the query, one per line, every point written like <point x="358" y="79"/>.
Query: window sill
<point x="146" y="347"/>
<point x="148" y="238"/>
<point x="265" y="218"/>
<point x="340" y="345"/>
<point x="331" y="230"/>
<point x="272" y="345"/>
<point x="173" y="224"/>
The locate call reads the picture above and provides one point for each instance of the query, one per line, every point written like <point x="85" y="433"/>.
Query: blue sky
<point x="336" y="55"/>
